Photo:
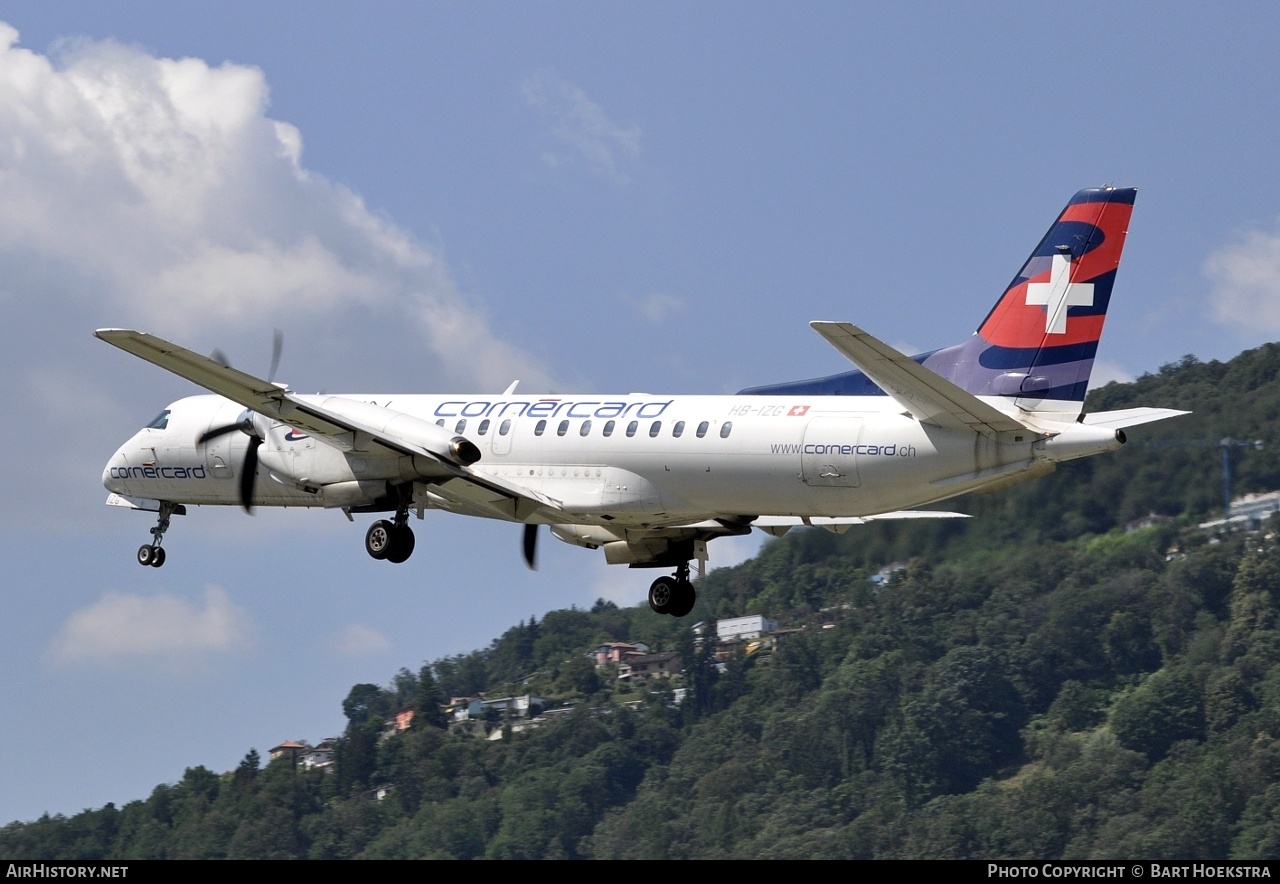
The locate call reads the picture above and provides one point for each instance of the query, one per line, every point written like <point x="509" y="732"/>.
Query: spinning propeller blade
<point x="248" y="472"/>
<point x="531" y="546"/>
<point x="248" y="469"/>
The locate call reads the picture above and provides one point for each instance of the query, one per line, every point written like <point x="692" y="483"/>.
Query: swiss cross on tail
<point x="1058" y="294"/>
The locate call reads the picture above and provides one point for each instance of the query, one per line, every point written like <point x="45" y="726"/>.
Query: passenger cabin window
<point x="440" y="423"/>
<point x="586" y="428"/>
<point x="678" y="430"/>
<point x="563" y="428"/>
<point x="702" y="429"/>
<point x="608" y="427"/>
<point x="725" y="429"/>
<point x="655" y="428"/>
<point x="461" y="427"/>
<point x="504" y="427"/>
<point x="538" y="430"/>
<point x="161" y="421"/>
<point x="484" y="427"/>
<point x="631" y="428"/>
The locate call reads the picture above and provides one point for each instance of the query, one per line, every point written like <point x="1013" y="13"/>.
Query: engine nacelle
<point x="590" y="536"/>
<point x="436" y="439"/>
<point x="361" y="492"/>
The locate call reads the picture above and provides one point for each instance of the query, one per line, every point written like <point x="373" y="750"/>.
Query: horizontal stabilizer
<point x="928" y="397"/>
<point x="1130" y="417"/>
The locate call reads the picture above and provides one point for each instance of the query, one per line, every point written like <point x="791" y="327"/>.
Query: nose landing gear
<point x="673" y="595"/>
<point x="152" y="554"/>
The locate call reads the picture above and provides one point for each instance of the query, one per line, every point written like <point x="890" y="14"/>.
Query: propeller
<point x="249" y="469"/>
<point x="531" y="546"/>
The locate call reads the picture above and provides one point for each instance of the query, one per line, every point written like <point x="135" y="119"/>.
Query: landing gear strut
<point x="152" y="554"/>
<point x="673" y="595"/>
<point x="391" y="540"/>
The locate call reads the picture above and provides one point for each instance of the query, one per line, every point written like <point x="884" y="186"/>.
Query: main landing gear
<point x="152" y="554"/>
<point x="391" y="540"/>
<point x="673" y="595"/>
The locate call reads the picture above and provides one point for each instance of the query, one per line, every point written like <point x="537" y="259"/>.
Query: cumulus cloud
<point x="580" y="127"/>
<point x="1245" y="276"/>
<point x="122" y="627"/>
<point x="1105" y="371"/>
<point x="158" y="193"/>
<point x="655" y="306"/>
<point x="358" y="640"/>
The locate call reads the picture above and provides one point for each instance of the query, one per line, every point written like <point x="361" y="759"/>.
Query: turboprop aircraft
<point x="651" y="479"/>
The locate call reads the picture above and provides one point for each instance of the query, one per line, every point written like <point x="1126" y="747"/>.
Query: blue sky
<point x="592" y="197"/>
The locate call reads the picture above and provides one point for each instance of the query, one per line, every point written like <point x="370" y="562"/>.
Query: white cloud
<point x="655" y="306"/>
<point x="157" y="193"/>
<point x="1104" y="372"/>
<point x="581" y="127"/>
<point x="359" y="640"/>
<point x="1245" y="276"/>
<point x="164" y="183"/>
<point x="124" y="627"/>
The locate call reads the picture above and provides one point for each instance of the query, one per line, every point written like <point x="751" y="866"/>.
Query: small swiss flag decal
<point x="798" y="411"/>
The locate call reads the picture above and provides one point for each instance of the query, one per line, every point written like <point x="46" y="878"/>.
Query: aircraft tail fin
<point x="1037" y="345"/>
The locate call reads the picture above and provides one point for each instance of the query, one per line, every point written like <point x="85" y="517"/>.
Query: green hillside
<point x="1036" y="682"/>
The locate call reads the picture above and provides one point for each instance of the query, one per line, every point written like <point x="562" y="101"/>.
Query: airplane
<point x="651" y="479"/>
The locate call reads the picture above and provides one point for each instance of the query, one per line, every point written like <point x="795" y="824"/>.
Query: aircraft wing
<point x="825" y="521"/>
<point x="929" y="398"/>
<point x="779" y="525"/>
<point x="266" y="398"/>
<point x="330" y="427"/>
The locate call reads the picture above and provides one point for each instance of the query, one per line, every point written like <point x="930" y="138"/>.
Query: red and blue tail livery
<point x="1038" y="343"/>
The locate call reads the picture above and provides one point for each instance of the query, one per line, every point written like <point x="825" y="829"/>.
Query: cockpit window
<point x="161" y="421"/>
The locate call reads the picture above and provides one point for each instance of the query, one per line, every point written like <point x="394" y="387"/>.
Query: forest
<point x="1046" y="680"/>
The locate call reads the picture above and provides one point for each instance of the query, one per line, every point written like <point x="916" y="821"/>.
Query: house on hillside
<point x="661" y="665"/>
<point x="616" y="652"/>
<point x="743" y="628"/>
<point x="478" y="708"/>
<point x="289" y="749"/>
<point x="321" y="756"/>
<point x="397" y="723"/>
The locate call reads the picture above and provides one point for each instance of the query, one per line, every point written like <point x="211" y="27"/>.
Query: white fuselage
<point x="610" y="460"/>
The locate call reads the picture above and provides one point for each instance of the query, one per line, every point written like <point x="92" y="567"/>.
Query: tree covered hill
<point x="1035" y="683"/>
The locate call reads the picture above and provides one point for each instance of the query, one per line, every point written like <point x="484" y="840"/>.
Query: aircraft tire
<point x="157" y="556"/>
<point x="402" y="544"/>
<point x="380" y="539"/>
<point x="661" y="593"/>
<point x="682" y="601"/>
<point x="146" y="553"/>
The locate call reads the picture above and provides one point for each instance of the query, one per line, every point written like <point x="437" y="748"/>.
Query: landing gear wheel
<point x="683" y="600"/>
<point x="661" y="593"/>
<point x="379" y="542"/>
<point x="402" y="543"/>
<point x="157" y="556"/>
<point x="146" y="554"/>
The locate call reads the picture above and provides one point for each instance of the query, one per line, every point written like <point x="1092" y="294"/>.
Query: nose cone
<point x="116" y="472"/>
